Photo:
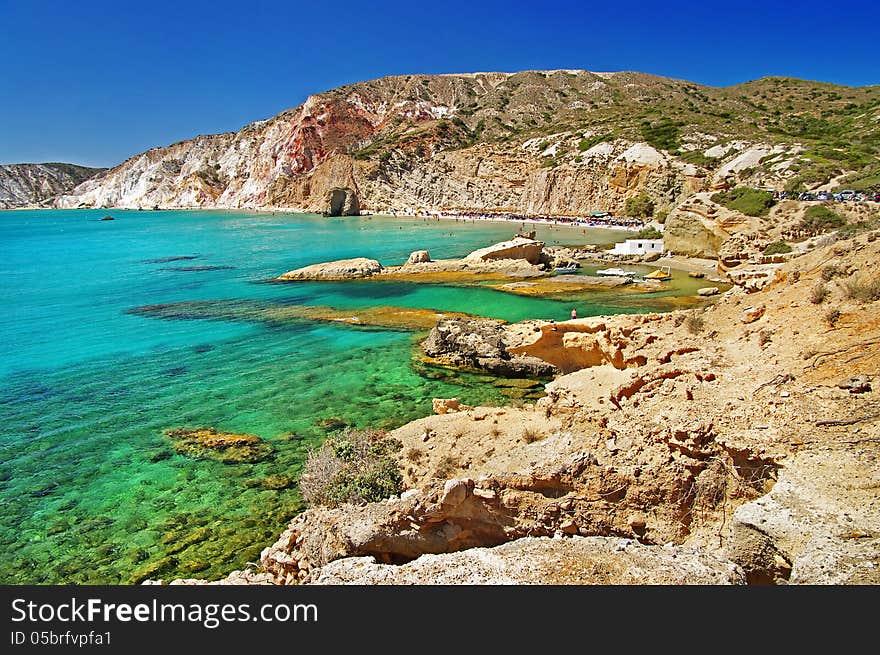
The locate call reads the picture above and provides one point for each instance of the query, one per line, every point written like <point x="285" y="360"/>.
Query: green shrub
<point x="587" y="143"/>
<point x="819" y="218"/>
<point x="751" y="202"/>
<point x="649" y="232"/>
<point x="640" y="206"/>
<point x="777" y="248"/>
<point x="662" y="134"/>
<point x="697" y="158"/>
<point x="356" y="467"/>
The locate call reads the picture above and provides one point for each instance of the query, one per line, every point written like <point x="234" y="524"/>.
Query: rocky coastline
<point x="735" y="443"/>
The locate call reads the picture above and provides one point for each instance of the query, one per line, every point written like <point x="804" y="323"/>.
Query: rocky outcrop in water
<point x="518" y="248"/>
<point x="342" y="269"/>
<point x="28" y="185"/>
<point x="479" y="344"/>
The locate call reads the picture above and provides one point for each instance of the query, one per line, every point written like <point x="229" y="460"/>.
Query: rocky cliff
<point x="562" y="142"/>
<point x="27" y="185"/>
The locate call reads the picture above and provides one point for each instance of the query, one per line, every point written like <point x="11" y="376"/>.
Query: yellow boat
<point x="662" y="273"/>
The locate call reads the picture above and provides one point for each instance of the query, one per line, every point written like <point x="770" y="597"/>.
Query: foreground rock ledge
<point x="545" y="560"/>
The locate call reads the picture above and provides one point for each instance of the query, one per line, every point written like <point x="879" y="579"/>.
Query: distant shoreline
<point x="631" y="225"/>
<point x="530" y="221"/>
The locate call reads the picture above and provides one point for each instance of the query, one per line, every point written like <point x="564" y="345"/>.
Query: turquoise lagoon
<point x="91" y="490"/>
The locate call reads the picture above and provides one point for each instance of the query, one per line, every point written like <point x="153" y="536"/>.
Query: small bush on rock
<point x="751" y="202"/>
<point x="355" y="467"/>
<point x="818" y="294"/>
<point x="694" y="323"/>
<point x="777" y="248"/>
<point x="862" y="290"/>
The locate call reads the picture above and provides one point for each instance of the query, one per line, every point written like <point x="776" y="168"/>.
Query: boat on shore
<point x="616" y="272"/>
<point x="565" y="270"/>
<point x="662" y="273"/>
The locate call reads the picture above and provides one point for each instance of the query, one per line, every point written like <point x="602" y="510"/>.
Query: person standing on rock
<point x="574" y="314"/>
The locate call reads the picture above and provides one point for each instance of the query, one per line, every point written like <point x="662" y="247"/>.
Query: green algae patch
<point x="225" y="447"/>
<point x="382" y="317"/>
<point x="277" y="482"/>
<point x="564" y="284"/>
<point x="455" y="277"/>
<point x="394" y="318"/>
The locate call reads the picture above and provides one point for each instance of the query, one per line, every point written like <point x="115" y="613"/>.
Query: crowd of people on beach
<point x="594" y="219"/>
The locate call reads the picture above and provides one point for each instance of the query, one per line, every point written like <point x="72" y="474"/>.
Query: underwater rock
<point x="332" y="423"/>
<point x="225" y="447"/>
<point x="196" y="269"/>
<point x="278" y="482"/>
<point x="173" y="258"/>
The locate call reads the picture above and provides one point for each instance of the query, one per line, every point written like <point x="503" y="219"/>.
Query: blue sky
<point x="94" y="82"/>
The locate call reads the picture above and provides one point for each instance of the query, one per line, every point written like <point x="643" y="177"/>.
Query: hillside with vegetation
<point x="563" y="142"/>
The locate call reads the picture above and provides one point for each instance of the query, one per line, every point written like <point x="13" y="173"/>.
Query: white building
<point x="638" y="247"/>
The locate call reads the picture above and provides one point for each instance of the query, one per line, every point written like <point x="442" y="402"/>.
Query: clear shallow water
<point x="90" y="488"/>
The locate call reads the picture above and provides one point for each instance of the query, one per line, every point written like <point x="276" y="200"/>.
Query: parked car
<point x="807" y="196"/>
<point x="847" y="194"/>
<point x="874" y="196"/>
<point x="824" y="195"/>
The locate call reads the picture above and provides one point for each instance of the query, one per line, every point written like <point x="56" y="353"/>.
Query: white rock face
<point x="23" y="185"/>
<point x="602" y="150"/>
<point x="823" y="516"/>
<point x="642" y="153"/>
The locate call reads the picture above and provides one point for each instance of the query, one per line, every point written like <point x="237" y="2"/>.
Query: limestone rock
<point x="518" y="248"/>
<point x="707" y="291"/>
<point x="418" y="257"/>
<point x="445" y="405"/>
<point x="542" y="560"/>
<point x="752" y="314"/>
<point x="342" y="201"/>
<point x="479" y="343"/>
<point x="454" y="492"/>
<point x="342" y="269"/>
<point x="821" y="520"/>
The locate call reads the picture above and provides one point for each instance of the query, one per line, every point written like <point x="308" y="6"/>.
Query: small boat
<point x="662" y="273"/>
<point x="615" y="272"/>
<point x="563" y="270"/>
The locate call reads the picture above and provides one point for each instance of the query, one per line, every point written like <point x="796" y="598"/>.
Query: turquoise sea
<point x="91" y="490"/>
